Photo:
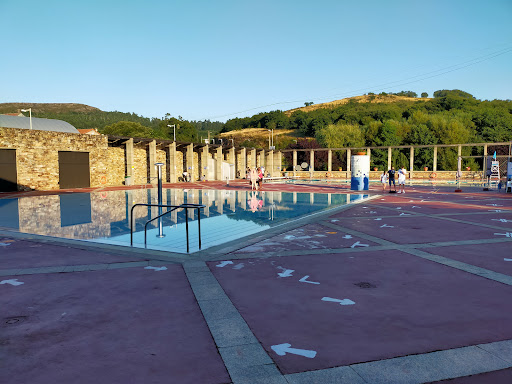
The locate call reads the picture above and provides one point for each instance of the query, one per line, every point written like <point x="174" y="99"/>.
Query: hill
<point x="48" y="108"/>
<point x="357" y="99"/>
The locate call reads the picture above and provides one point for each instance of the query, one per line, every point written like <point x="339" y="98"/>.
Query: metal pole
<point x="186" y="227"/>
<point x="160" y="199"/>
<point x="199" y="225"/>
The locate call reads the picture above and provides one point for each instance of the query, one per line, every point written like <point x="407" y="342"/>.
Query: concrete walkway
<point x="402" y="288"/>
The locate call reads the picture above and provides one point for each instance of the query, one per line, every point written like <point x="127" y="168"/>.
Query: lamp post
<point x="30" y="114"/>
<point x="271" y="146"/>
<point x="173" y="126"/>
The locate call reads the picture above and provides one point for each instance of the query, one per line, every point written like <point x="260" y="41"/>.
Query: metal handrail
<point x="174" y="207"/>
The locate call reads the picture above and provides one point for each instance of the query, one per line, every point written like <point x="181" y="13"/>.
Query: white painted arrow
<point x="503" y="220"/>
<point x="239" y="266"/>
<point x="286" y="273"/>
<point x="224" y="263"/>
<point x="378" y="219"/>
<point x="415" y="206"/>
<point x="304" y="280"/>
<point x="342" y="302"/>
<point x="4" y="244"/>
<point x="506" y="234"/>
<point x="495" y="210"/>
<point x="358" y="244"/>
<point x="507" y="259"/>
<point x="283" y="349"/>
<point x="495" y="205"/>
<point x="12" y="282"/>
<point x="387" y="226"/>
<point x="347" y="237"/>
<point x="334" y="220"/>
<point x="157" y="268"/>
<point x="373" y="211"/>
<point x="405" y="214"/>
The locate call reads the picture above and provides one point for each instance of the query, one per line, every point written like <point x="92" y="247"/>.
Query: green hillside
<point x="117" y="123"/>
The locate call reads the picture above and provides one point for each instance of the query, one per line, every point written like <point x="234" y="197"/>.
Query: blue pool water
<point x="104" y="217"/>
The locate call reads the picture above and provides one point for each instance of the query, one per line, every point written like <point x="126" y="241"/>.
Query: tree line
<point x="132" y="125"/>
<point x="451" y="117"/>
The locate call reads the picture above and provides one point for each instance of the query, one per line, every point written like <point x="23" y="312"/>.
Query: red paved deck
<point x="494" y="257"/>
<point x="17" y="254"/>
<point x="424" y="229"/>
<point x="416" y="306"/>
<point x="118" y="326"/>
<point x="308" y="237"/>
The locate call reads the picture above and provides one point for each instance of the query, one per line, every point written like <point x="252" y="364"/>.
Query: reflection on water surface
<point x="104" y="216"/>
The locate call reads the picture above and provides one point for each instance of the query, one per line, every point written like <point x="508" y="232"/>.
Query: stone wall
<point x="37" y="159"/>
<point x="117" y="166"/>
<point x="37" y="155"/>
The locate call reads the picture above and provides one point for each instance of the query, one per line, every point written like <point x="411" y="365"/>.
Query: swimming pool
<point x="104" y="216"/>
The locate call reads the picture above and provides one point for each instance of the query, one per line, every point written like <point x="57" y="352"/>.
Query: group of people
<point x="389" y="177"/>
<point x="255" y="177"/>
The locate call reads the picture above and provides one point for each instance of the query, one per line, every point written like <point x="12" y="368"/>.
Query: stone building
<point x="50" y="154"/>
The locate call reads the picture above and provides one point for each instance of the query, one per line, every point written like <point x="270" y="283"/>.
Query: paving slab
<point x="440" y="207"/>
<point x="308" y="237"/>
<point x="424" y="229"/>
<point x="113" y="326"/>
<point x="369" y="210"/>
<point x="403" y="305"/>
<point x="430" y="366"/>
<point x="496" y="257"/>
<point x="20" y="254"/>
<point x="502" y="220"/>
<point x="503" y="376"/>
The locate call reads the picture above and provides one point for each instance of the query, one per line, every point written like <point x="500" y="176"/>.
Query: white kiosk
<point x="360" y="173"/>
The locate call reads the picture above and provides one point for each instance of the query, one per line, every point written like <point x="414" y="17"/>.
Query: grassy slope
<point x="47" y="107"/>
<point x="357" y="99"/>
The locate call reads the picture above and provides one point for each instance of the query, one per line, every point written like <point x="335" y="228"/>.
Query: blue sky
<point x="222" y="59"/>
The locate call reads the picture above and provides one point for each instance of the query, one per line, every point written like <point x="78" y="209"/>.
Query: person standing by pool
<point x="391" y="177"/>
<point x="260" y="177"/>
<point x="254" y="179"/>
<point x="401" y="180"/>
<point x="383" y="180"/>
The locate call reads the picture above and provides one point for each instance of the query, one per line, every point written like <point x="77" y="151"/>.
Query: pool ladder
<point x="173" y="208"/>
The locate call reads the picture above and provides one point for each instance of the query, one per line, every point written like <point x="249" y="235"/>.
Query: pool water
<point x="104" y="216"/>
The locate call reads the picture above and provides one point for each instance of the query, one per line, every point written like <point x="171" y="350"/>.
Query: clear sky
<point x="218" y="59"/>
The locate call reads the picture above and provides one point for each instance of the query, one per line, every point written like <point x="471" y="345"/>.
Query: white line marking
<point x="341" y="302"/>
<point x="506" y="234"/>
<point x="358" y="244"/>
<point x="507" y="259"/>
<point x="11" y="282"/>
<point x="224" y="263"/>
<point x="286" y="273"/>
<point x="157" y="268"/>
<point x="283" y="349"/>
<point x="304" y="280"/>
